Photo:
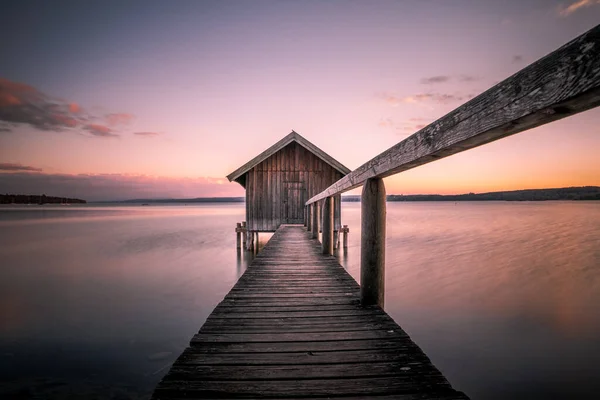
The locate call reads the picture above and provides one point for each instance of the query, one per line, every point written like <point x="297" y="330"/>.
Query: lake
<point x="98" y="301"/>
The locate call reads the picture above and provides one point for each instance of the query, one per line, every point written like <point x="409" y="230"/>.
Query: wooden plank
<point x="309" y="387"/>
<point x="402" y="367"/>
<point x="302" y="347"/>
<point x="292" y="327"/>
<point x="561" y="84"/>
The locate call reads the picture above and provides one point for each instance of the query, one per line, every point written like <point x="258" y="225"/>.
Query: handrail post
<point x="309" y="217"/>
<point x="372" y="243"/>
<point x="327" y="243"/>
<point x="315" y="220"/>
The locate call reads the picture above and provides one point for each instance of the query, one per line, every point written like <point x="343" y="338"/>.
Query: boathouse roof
<point x="292" y="137"/>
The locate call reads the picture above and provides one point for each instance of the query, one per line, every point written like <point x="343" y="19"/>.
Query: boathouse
<point x="282" y="178"/>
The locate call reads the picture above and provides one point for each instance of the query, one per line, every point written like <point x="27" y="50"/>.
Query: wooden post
<point x="238" y="236"/>
<point x="309" y="217"/>
<point x="250" y="244"/>
<point x="304" y="222"/>
<point x="315" y="220"/>
<point x="244" y="233"/>
<point x="346" y="230"/>
<point x="372" y="243"/>
<point x="327" y="244"/>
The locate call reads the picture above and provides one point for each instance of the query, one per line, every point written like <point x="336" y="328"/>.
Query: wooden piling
<point x="250" y="244"/>
<point x="238" y="236"/>
<point x="315" y="221"/>
<point x="327" y="242"/>
<point x="345" y="231"/>
<point x="244" y="233"/>
<point x="372" y="243"/>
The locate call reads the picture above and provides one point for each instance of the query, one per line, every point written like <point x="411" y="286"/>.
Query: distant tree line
<point x="569" y="193"/>
<point x="36" y="199"/>
<point x="194" y="200"/>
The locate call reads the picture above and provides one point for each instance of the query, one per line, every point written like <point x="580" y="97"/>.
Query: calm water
<point x="96" y="302"/>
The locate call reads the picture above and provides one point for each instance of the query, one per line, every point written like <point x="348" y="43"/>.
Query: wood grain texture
<point x="291" y="137"/>
<point x="278" y="186"/>
<point x="293" y="327"/>
<point x="561" y="84"/>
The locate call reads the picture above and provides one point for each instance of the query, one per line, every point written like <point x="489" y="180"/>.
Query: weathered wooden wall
<point x="278" y="187"/>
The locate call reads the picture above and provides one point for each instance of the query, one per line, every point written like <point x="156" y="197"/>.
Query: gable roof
<point x="292" y="137"/>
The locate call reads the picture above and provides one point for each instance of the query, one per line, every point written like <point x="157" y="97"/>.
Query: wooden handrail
<point x="563" y="83"/>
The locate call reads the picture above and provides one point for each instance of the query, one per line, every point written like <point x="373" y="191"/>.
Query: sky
<point x="150" y="99"/>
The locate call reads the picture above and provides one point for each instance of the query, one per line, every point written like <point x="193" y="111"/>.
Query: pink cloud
<point x="22" y="104"/>
<point x="74" y="108"/>
<point x="14" y="167"/>
<point x="418" y="98"/>
<point x="146" y="134"/>
<point x="100" y="130"/>
<point x="573" y="7"/>
<point x="119" y="118"/>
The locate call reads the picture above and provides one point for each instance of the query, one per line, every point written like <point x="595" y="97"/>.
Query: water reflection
<point x="501" y="296"/>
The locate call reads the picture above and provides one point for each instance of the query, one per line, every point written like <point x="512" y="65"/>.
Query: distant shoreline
<point x="568" y="193"/>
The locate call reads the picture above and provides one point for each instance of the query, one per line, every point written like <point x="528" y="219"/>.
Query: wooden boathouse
<point x="281" y="179"/>
<point x="296" y="324"/>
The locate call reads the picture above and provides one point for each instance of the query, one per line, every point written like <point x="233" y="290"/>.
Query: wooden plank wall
<point x="280" y="185"/>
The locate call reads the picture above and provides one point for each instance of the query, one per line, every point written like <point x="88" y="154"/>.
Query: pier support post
<point x="345" y="231"/>
<point x="244" y="233"/>
<point x="372" y="243"/>
<point x="238" y="235"/>
<point x="309" y="217"/>
<point x="250" y="244"/>
<point x="327" y="243"/>
<point x="315" y="220"/>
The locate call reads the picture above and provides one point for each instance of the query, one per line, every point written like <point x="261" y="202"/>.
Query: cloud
<point x="439" y="98"/>
<point x="468" y="78"/>
<point x="435" y="79"/>
<point x="119" y="118"/>
<point x="385" y="123"/>
<point x="74" y="108"/>
<point x="146" y="134"/>
<point x="17" y="167"/>
<point x="98" y="187"/>
<point x="517" y="59"/>
<point x="406" y="127"/>
<point x="574" y="6"/>
<point x="24" y="104"/>
<point x="447" y="78"/>
<point x="424" y="98"/>
<point x="100" y="130"/>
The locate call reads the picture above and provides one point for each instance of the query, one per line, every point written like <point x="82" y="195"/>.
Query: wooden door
<point x="293" y="203"/>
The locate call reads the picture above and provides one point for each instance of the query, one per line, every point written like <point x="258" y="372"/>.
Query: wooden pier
<point x="296" y="325"/>
<point x="293" y="327"/>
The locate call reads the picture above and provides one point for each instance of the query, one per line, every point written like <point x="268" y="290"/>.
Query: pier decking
<point x="293" y="327"/>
